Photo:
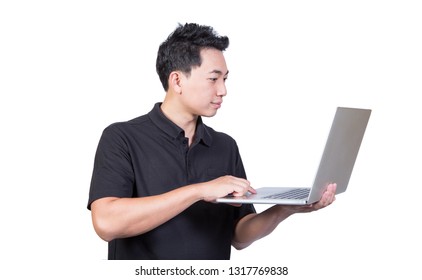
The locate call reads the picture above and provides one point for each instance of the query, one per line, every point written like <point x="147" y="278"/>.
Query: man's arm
<point x="256" y="226"/>
<point x="115" y="217"/>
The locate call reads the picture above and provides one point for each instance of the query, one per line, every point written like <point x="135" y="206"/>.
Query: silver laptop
<point x="336" y="165"/>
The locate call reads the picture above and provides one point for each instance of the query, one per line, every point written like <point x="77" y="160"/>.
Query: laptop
<point x="336" y="164"/>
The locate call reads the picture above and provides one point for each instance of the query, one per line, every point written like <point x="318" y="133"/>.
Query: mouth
<point x="217" y="104"/>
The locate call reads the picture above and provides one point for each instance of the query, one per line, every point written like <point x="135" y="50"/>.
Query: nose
<point x="222" y="90"/>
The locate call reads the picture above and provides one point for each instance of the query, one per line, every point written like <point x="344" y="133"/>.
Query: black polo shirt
<point x="150" y="155"/>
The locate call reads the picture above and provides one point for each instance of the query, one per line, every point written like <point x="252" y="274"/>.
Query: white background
<point x="70" y="68"/>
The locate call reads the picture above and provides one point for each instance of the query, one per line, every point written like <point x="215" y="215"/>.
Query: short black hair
<point x="181" y="50"/>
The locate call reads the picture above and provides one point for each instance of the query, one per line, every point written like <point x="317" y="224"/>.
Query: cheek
<point x="195" y="98"/>
<point x="201" y="94"/>
<point x="200" y="99"/>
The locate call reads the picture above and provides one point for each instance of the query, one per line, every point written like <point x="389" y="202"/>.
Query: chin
<point x="209" y="114"/>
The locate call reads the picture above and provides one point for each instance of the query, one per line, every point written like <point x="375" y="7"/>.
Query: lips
<point x="219" y="102"/>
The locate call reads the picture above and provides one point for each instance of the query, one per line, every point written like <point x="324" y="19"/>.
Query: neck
<point x="181" y="118"/>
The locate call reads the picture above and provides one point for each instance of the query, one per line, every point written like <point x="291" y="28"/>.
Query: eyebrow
<point x="219" y="72"/>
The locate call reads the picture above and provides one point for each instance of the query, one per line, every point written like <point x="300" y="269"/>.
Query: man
<point x="156" y="177"/>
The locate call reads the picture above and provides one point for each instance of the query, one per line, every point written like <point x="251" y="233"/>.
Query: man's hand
<point x="255" y="226"/>
<point x="327" y="198"/>
<point x="223" y="186"/>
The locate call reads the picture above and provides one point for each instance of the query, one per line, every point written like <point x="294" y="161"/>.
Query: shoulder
<point x="124" y="126"/>
<point x="123" y="131"/>
<point x="220" y="138"/>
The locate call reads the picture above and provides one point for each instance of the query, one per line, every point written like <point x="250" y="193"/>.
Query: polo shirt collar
<point x="161" y="121"/>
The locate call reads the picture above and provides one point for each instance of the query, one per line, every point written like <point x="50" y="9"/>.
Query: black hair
<point x="181" y="50"/>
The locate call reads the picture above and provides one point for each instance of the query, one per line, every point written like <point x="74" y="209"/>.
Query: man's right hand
<point x="224" y="186"/>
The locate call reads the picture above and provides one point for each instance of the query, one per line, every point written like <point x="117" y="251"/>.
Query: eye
<point x="213" y="79"/>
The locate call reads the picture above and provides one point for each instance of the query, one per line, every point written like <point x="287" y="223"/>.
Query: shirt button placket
<point x="185" y="152"/>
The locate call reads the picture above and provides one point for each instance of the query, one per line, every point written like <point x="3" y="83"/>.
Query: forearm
<point x="124" y="217"/>
<point x="256" y="226"/>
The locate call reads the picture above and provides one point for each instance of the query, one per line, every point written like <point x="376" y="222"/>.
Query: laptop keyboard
<point x="292" y="194"/>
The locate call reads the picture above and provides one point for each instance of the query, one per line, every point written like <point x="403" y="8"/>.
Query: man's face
<point x="204" y="89"/>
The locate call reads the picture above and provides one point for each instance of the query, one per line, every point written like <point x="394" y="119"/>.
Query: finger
<point x="333" y="193"/>
<point x="251" y="190"/>
<point x="241" y="182"/>
<point x="332" y="188"/>
<point x="240" y="191"/>
<point x="327" y="199"/>
<point x="329" y="194"/>
<point x="241" y="187"/>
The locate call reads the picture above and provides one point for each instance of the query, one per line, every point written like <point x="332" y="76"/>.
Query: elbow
<point x="103" y="229"/>
<point x="104" y="225"/>
<point x="240" y="245"/>
<point x="104" y="234"/>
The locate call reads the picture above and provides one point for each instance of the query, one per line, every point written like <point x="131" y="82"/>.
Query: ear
<point x="175" y="81"/>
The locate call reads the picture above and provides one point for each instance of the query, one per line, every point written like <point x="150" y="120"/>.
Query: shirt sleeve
<point x="112" y="173"/>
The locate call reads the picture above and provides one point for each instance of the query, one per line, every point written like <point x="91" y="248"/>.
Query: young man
<point x="156" y="177"/>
